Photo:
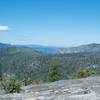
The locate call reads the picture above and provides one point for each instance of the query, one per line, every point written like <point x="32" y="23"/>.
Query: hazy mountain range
<point x="56" y="50"/>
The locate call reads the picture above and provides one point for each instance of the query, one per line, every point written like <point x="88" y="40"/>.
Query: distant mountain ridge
<point x="91" y="48"/>
<point x="44" y="49"/>
<point x="3" y="45"/>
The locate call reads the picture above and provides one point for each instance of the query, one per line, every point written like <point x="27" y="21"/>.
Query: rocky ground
<point x="81" y="89"/>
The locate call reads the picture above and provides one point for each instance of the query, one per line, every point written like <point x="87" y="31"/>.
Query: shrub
<point x="11" y="86"/>
<point x="28" y="81"/>
<point x="84" y="72"/>
<point x="53" y="74"/>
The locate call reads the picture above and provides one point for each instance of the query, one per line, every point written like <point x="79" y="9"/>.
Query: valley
<point x="22" y="61"/>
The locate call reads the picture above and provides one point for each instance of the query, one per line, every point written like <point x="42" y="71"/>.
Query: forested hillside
<point x="23" y="62"/>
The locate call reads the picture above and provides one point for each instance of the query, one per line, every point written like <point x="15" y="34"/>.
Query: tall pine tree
<point x="53" y="74"/>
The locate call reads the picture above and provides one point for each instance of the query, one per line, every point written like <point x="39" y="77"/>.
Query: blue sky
<point x="50" y="22"/>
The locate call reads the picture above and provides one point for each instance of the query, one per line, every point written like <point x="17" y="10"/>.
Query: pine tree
<point x="53" y="74"/>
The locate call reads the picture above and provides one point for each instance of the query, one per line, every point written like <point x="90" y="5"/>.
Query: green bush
<point x="83" y="72"/>
<point x="29" y="81"/>
<point x="53" y="74"/>
<point x="11" y="86"/>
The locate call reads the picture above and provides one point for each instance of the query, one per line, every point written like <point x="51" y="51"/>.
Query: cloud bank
<point x="4" y="28"/>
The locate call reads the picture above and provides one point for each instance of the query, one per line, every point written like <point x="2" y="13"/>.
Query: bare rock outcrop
<point x="81" y="89"/>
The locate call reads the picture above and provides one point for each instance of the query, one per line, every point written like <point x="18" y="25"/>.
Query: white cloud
<point x="4" y="28"/>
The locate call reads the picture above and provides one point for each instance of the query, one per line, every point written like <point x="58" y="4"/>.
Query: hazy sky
<point x="50" y="22"/>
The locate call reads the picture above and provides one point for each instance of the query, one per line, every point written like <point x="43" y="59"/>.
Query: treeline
<point x="55" y="75"/>
<point x="23" y="62"/>
<point x="13" y="85"/>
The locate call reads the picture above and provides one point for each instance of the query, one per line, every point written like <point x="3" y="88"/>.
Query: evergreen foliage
<point x="53" y="74"/>
<point x="25" y="61"/>
<point x="28" y="81"/>
<point x="84" y="72"/>
<point x="11" y="86"/>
